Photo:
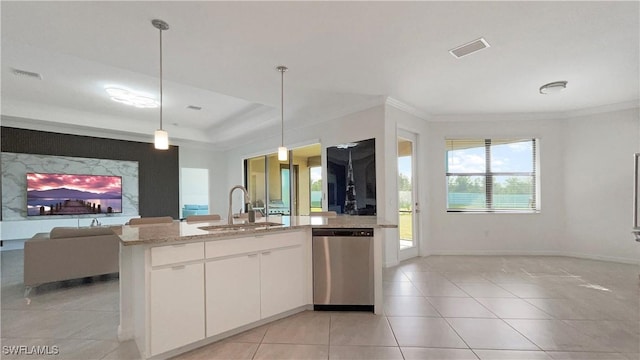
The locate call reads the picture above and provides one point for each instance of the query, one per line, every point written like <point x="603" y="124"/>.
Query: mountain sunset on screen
<point x="70" y="194"/>
<point x="90" y="183"/>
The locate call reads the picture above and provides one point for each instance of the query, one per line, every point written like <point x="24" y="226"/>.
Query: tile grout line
<point x="394" y="335"/>
<point x="329" y="338"/>
<point x="268" y="325"/>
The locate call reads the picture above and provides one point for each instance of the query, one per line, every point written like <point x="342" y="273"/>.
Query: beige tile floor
<point x="439" y="307"/>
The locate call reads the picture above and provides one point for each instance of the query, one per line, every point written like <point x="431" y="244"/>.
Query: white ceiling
<point x="342" y="56"/>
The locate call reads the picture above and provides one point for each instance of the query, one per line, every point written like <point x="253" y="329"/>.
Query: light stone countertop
<point x="180" y="231"/>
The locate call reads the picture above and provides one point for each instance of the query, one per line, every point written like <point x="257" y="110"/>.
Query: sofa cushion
<point x="69" y="232"/>
<point x="42" y="235"/>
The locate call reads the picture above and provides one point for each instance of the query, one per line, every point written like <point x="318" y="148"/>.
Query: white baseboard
<point x="537" y="253"/>
<point x="390" y="264"/>
<point x="124" y="335"/>
<point x="604" y="258"/>
<point x="497" y="253"/>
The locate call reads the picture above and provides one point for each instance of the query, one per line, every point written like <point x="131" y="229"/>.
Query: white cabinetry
<point x="282" y="275"/>
<point x="253" y="278"/>
<point x="177" y="306"/>
<point x="176" y="294"/>
<point x="233" y="292"/>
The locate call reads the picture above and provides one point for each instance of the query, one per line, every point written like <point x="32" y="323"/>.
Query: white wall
<point x="194" y="186"/>
<point x="216" y="163"/>
<point x="598" y="162"/>
<point x="361" y="125"/>
<point x="464" y="233"/>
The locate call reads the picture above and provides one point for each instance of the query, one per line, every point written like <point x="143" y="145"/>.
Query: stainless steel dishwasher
<point x="343" y="269"/>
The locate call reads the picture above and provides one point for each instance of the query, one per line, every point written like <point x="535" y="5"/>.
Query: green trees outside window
<point x="492" y="175"/>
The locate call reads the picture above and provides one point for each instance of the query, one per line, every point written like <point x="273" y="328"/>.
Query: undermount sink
<point x="246" y="226"/>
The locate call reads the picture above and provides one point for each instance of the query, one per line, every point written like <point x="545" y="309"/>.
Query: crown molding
<point x="297" y="123"/>
<point x="533" y="116"/>
<point x="627" y="105"/>
<point x="72" y="129"/>
<point x="81" y="130"/>
<point x="395" y="103"/>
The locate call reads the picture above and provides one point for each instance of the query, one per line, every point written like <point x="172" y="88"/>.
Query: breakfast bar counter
<point x="184" y="285"/>
<point x="182" y="231"/>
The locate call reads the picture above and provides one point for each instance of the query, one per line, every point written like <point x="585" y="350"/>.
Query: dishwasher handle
<point x="367" y="232"/>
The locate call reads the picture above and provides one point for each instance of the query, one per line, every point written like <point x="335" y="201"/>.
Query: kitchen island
<point x="184" y="285"/>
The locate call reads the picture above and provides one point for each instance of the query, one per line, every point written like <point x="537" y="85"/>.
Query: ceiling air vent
<point x="469" y="48"/>
<point x="193" y="107"/>
<point x="24" y="73"/>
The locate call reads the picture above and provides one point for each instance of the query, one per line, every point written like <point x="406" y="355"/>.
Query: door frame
<point x="414" y="251"/>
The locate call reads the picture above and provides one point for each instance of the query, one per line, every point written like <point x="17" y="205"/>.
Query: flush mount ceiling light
<point x="130" y="98"/>
<point x="553" y="87"/>
<point x="282" y="150"/>
<point x="160" y="136"/>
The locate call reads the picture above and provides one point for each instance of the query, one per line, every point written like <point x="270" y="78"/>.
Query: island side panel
<point x="141" y="301"/>
<point x="309" y="267"/>
<point x="378" y="237"/>
<point x="125" y="329"/>
<point x="133" y="296"/>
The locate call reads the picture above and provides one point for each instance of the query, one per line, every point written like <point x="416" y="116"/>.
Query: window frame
<point x="489" y="176"/>
<point x="310" y="168"/>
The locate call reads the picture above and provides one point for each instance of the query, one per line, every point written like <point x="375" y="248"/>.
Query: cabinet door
<point x="176" y="307"/>
<point x="233" y="292"/>
<point x="282" y="280"/>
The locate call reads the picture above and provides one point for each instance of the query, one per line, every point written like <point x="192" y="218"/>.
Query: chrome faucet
<point x="95" y="222"/>
<point x="246" y="200"/>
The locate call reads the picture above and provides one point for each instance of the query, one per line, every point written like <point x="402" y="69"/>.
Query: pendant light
<point x="160" y="136"/>
<point x="282" y="150"/>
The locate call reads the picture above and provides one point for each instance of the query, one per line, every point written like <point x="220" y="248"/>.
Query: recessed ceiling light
<point x="553" y="87"/>
<point x="130" y="98"/>
<point x="469" y="48"/>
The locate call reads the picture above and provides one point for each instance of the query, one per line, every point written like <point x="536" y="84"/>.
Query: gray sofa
<point x="70" y="253"/>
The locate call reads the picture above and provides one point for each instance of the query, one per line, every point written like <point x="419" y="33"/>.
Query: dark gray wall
<point x="158" y="170"/>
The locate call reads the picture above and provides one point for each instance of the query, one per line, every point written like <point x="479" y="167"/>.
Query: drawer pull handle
<point x="179" y="245"/>
<point x="179" y="267"/>
<point x="252" y="255"/>
<point x="266" y="253"/>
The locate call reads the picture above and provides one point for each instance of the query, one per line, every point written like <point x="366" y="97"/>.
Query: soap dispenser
<point x="252" y="214"/>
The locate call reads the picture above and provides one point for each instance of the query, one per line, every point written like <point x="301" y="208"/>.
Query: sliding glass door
<point x="315" y="188"/>
<point x="285" y="188"/>
<point x="255" y="176"/>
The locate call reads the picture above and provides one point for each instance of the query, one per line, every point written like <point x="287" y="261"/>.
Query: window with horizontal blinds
<point x="491" y="175"/>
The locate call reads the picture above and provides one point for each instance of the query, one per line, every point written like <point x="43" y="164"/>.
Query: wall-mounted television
<point x="71" y="194"/>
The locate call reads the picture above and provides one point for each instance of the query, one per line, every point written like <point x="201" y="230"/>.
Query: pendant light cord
<point x="160" y="79"/>
<point x="282" y="107"/>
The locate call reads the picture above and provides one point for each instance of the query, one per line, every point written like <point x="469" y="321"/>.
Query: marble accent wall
<point x="14" y="181"/>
